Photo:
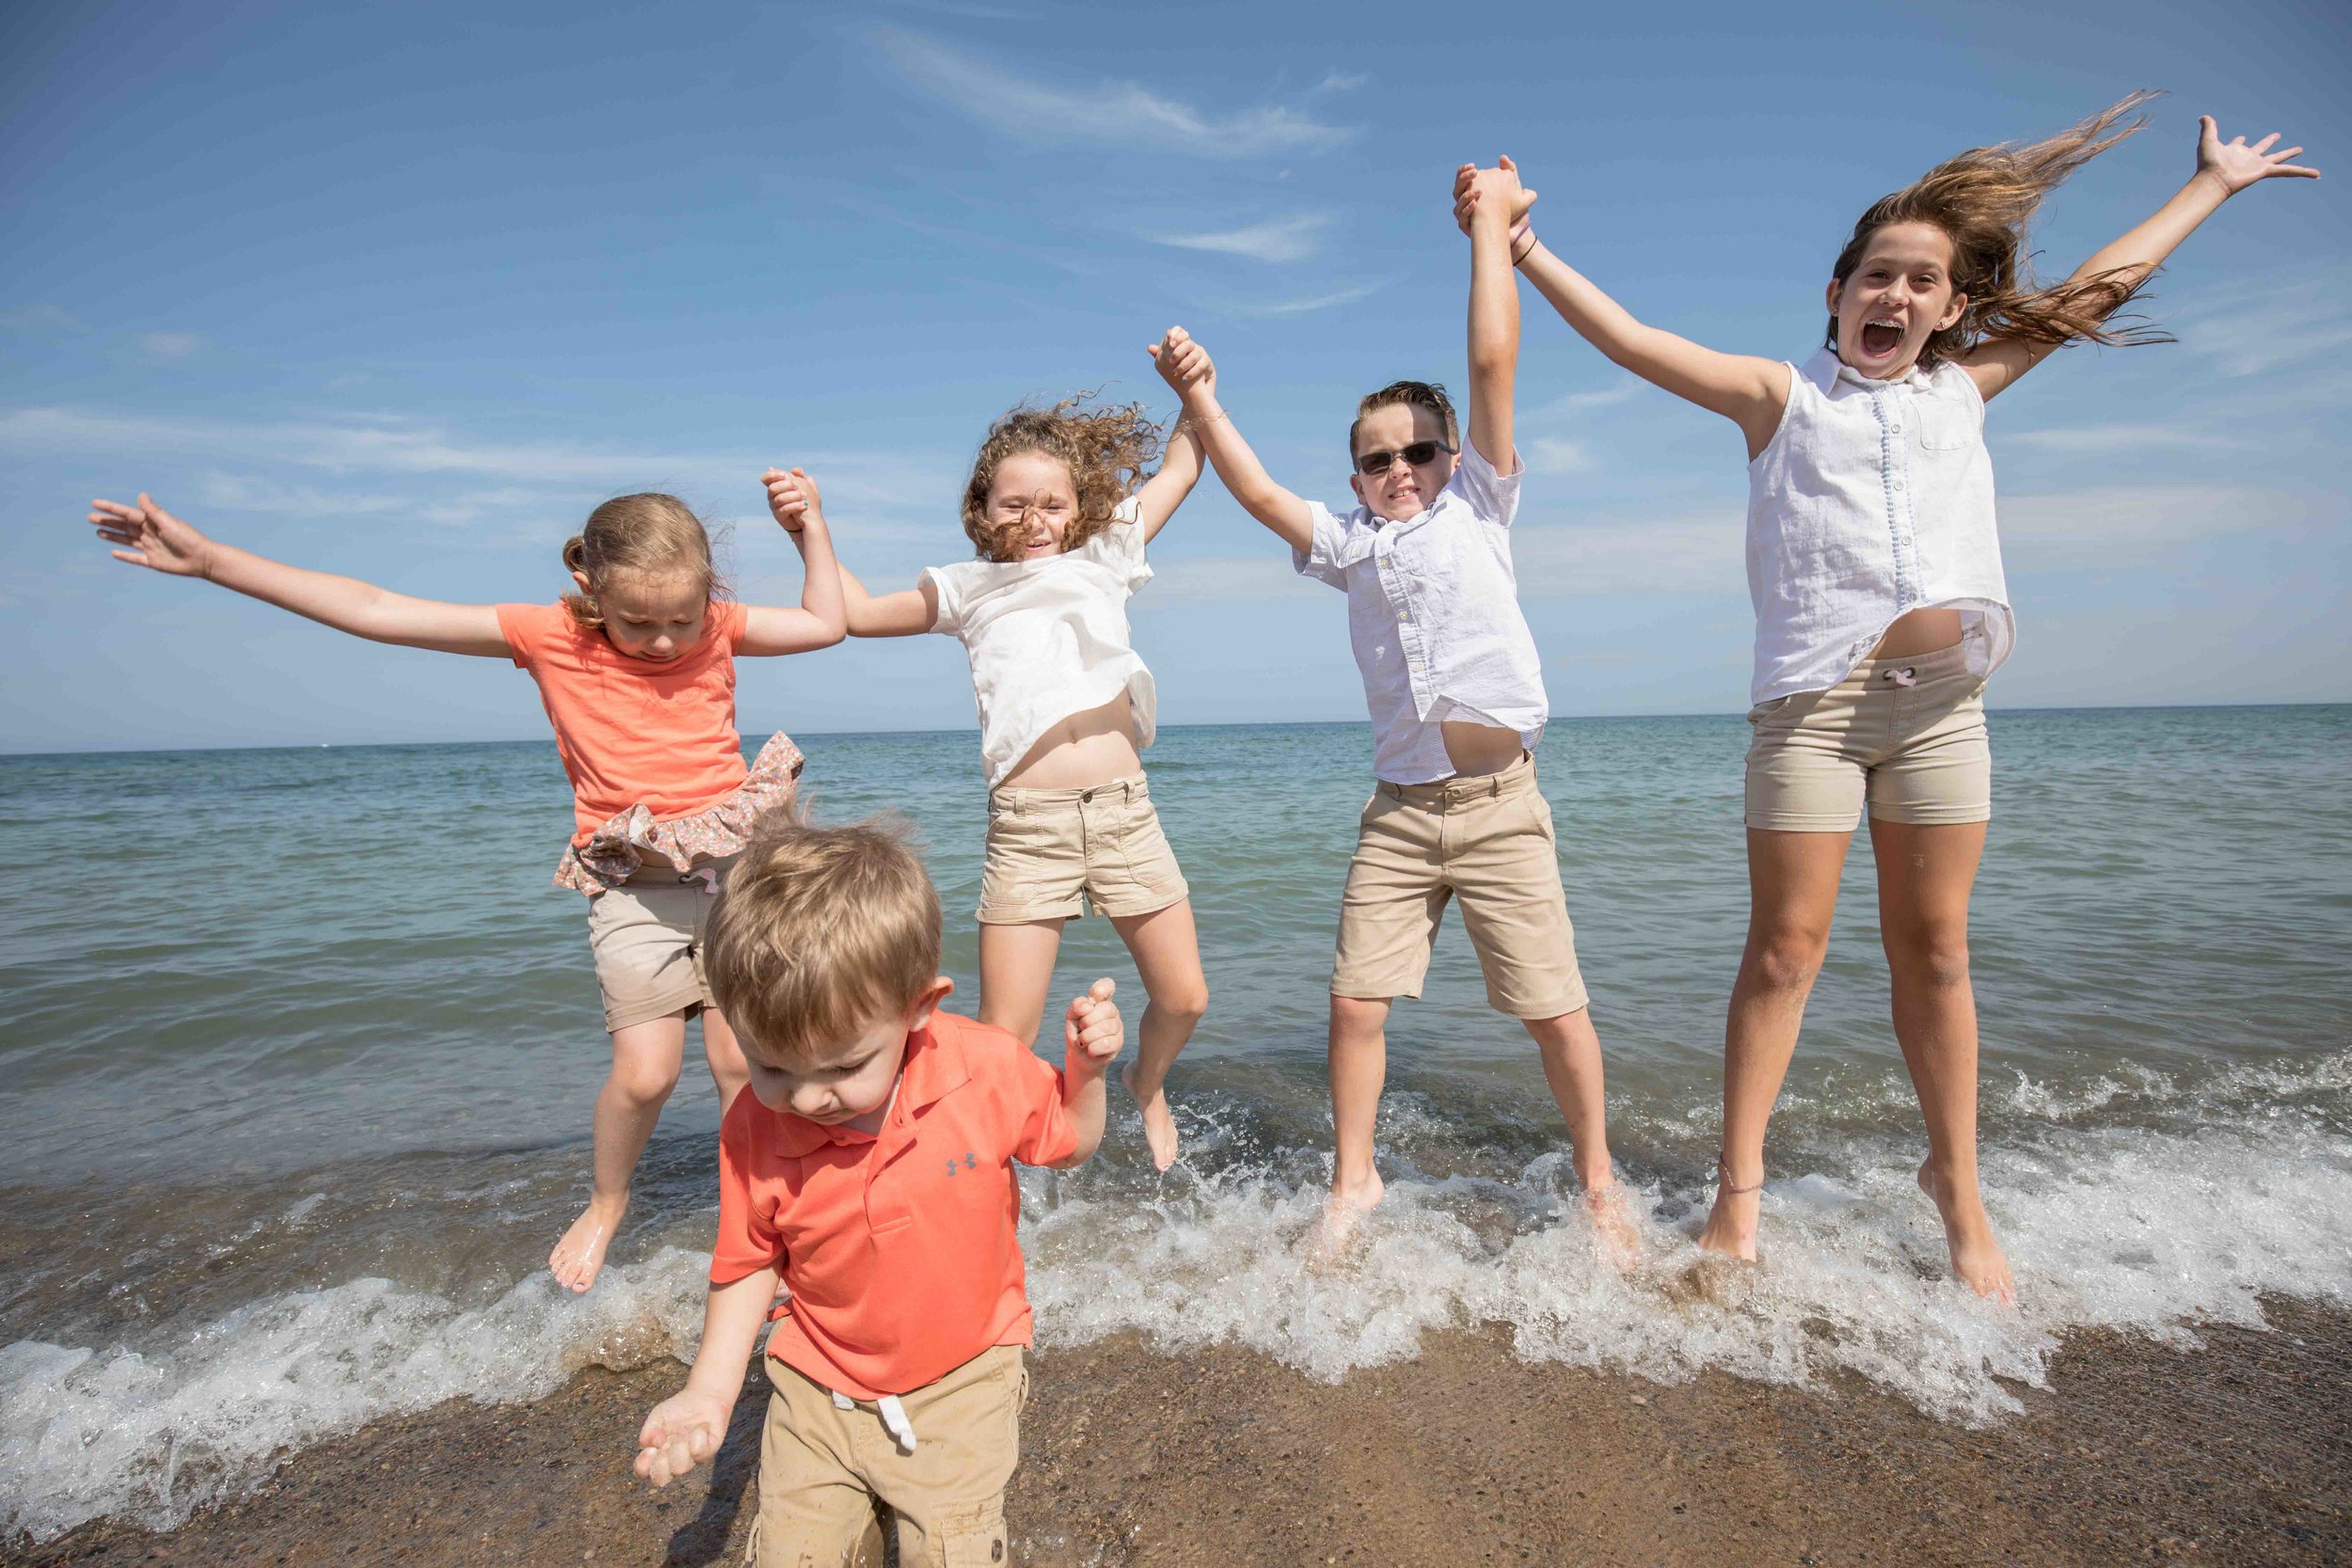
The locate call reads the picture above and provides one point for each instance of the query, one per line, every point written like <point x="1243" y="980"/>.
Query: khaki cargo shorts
<point x="1906" y="735"/>
<point x="1486" y="841"/>
<point x="647" y="936"/>
<point x="1050" y="850"/>
<point x="821" y="1467"/>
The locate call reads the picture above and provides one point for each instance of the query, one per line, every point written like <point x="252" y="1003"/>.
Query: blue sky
<point x="403" y="291"/>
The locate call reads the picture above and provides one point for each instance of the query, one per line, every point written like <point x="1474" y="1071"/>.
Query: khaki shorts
<point x="1049" y="850"/>
<point x="647" y="935"/>
<point x="1487" y="841"/>
<point x="1905" y="734"/>
<point x="821" y="1467"/>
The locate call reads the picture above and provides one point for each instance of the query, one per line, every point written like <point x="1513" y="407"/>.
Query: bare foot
<point x="1731" y="1222"/>
<point x="1343" y="1212"/>
<point x="1159" y="1123"/>
<point x="1613" y="1226"/>
<point x="579" y="1257"/>
<point x="1977" y="1261"/>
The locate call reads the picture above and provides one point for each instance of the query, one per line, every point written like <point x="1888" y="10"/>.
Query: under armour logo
<point x="971" y="1162"/>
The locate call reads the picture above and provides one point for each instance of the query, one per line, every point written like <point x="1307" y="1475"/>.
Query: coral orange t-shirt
<point x="632" y="730"/>
<point x="899" y="1247"/>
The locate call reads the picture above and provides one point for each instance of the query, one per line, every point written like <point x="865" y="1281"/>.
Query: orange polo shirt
<point x="632" y="730"/>
<point x="899" y="1247"/>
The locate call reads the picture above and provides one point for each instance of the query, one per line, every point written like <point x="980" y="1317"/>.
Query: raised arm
<point x="1494" y="313"/>
<point x="2223" y="169"/>
<point x="1165" y="491"/>
<point x="1185" y="366"/>
<point x="1748" y="392"/>
<point x="154" y="538"/>
<point x="792" y="497"/>
<point x="819" y="622"/>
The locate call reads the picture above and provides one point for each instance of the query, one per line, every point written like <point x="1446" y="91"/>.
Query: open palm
<point x="152" y="538"/>
<point x="2238" y="165"/>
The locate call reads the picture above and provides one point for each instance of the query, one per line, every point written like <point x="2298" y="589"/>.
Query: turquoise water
<point x="299" y="1049"/>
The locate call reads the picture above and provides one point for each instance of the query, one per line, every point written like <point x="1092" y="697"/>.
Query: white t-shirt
<point x="1874" y="498"/>
<point x="1433" y="609"/>
<point x="1048" y="638"/>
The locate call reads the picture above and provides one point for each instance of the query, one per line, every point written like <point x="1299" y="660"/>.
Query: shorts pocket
<point x="973" y="1536"/>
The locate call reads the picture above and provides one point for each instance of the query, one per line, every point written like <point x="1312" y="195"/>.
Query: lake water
<point x="299" y="1048"/>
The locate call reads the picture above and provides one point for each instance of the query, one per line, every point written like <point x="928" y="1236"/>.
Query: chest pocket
<point x="1946" y="424"/>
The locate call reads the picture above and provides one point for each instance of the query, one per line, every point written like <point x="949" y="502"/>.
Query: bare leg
<point x="1570" y="1049"/>
<point x="1016" y="971"/>
<point x="729" y="1072"/>
<point x="1359" y="1064"/>
<point x="1792" y="893"/>
<point x="1168" y="956"/>
<point x="645" y="1060"/>
<point x="1924" y="875"/>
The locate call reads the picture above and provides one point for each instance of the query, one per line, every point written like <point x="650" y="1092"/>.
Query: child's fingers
<point x="1103" y="990"/>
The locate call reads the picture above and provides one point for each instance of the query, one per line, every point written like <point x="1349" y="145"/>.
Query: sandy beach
<point x="2239" y="1451"/>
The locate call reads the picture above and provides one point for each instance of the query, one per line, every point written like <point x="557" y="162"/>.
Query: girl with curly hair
<point x="1060" y="508"/>
<point x="1881" y="607"/>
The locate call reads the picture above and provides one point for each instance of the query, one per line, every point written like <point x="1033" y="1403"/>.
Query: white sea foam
<point x="2123" y="1226"/>
<point x="85" y="1434"/>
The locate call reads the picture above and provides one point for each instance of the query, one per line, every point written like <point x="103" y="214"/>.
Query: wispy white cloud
<point x="1124" y="113"/>
<point x="1299" y="305"/>
<point x="1624" y="389"/>
<point x="1290" y="239"/>
<point x="1342" y="81"/>
<point x="2269" y="329"/>
<point x="1555" y="454"/>
<point x="2127" y="524"/>
<point x="1209" y="578"/>
<point x="170" y="345"/>
<point x="40" y="316"/>
<point x="2086" y="440"/>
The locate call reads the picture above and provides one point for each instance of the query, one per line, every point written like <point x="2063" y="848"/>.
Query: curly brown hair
<point x="628" y="534"/>
<point x="1982" y="201"/>
<point x="1107" y="449"/>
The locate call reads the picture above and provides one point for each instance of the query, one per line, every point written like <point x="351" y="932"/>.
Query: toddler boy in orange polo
<point x="871" y="1166"/>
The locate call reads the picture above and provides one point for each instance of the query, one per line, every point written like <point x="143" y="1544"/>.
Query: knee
<point x="1936" y="957"/>
<point x="1184" y="1003"/>
<point x="1784" y="960"/>
<point x="1354" y="1017"/>
<point x="644" y="1082"/>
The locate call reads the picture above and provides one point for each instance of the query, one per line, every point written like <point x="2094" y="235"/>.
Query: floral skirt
<point x="614" y="851"/>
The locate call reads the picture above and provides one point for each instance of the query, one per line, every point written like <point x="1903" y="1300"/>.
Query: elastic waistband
<point x="1134" y="788"/>
<point x="1484" y="786"/>
<point x="1935" y="665"/>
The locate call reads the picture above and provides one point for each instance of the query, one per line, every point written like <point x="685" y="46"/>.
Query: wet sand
<point x="2239" y="1453"/>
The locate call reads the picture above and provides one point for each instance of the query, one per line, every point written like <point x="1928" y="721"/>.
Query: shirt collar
<point x="936" y="1065"/>
<point x="1825" y="370"/>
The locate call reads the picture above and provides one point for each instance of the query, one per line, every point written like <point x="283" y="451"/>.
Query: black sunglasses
<point x="1416" y="454"/>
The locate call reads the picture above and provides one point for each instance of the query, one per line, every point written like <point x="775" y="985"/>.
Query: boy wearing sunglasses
<point x="1458" y="703"/>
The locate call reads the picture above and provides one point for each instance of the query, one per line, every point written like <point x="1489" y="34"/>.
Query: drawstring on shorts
<point x="894" y="1416"/>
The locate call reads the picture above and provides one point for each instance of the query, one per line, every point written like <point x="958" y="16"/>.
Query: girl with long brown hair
<point x="1881" y="606"/>
<point x="1060" y="508"/>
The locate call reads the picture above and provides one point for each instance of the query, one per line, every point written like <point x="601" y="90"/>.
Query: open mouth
<point x="1881" y="337"/>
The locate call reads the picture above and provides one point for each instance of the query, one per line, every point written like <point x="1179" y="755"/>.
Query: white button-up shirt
<point x="1048" y="638"/>
<point x="1433" y="608"/>
<point x="1874" y="498"/>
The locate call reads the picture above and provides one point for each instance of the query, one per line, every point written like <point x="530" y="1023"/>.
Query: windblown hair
<point x="820" y="931"/>
<point x="1982" y="199"/>
<point x="1418" y="394"/>
<point x="1107" y="449"/>
<point x="650" y="533"/>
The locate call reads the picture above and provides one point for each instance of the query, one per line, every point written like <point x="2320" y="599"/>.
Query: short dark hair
<point x="1419" y="394"/>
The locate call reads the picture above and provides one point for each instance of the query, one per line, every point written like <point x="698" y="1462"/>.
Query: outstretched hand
<point x="793" y="498"/>
<point x="1093" y="1031"/>
<point x="154" y="538"/>
<point x="682" y="1431"/>
<point x="1500" y="184"/>
<point x="2237" y="165"/>
<point x="1184" y="364"/>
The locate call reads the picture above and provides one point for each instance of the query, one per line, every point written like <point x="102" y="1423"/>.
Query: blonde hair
<point x="650" y="533"/>
<point x="1413" y="394"/>
<point x="1107" y="448"/>
<point x="1982" y="201"/>
<point x="820" y="931"/>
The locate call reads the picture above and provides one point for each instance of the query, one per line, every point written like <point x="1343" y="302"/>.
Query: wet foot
<point x="1159" y="1123"/>
<point x="1342" y="1214"/>
<point x="579" y="1257"/>
<point x="1977" y="1260"/>
<point x="1620" y="1239"/>
<point x="1731" y="1222"/>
